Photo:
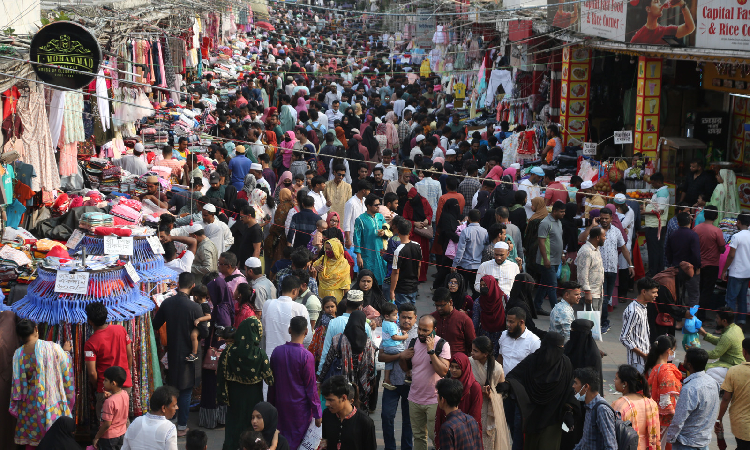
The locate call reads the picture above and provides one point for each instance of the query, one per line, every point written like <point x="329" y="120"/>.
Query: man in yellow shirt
<point x="736" y="388"/>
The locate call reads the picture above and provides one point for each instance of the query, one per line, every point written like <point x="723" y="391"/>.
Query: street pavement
<point x="611" y="345"/>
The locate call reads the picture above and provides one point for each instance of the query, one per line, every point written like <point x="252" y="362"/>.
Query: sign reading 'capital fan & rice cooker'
<point x="723" y="24"/>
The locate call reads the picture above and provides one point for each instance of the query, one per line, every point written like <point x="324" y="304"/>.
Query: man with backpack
<point x="316" y="131"/>
<point x="429" y="355"/>
<point x="599" y="427"/>
<point x="306" y="298"/>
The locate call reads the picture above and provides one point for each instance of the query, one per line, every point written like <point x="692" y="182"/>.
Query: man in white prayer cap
<point x="500" y="268"/>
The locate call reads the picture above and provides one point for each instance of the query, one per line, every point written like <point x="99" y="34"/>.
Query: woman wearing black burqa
<point x="450" y="218"/>
<point x="583" y="353"/>
<point x="60" y="436"/>
<point x="543" y="386"/>
<point x="522" y="296"/>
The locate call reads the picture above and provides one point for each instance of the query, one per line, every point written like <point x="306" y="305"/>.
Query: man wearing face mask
<point x="599" y="427"/>
<point x="500" y="268"/>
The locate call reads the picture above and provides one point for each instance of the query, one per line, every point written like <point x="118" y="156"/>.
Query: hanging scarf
<point x="335" y="273"/>
<point x="492" y="319"/>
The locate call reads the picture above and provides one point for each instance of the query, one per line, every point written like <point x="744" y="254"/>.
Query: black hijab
<point x="483" y="202"/>
<point x="402" y="199"/>
<point x="369" y="141"/>
<point x="504" y="194"/>
<point x="542" y="383"/>
<point x="355" y="332"/>
<point x="570" y="227"/>
<point x="458" y="297"/>
<point x="270" y="422"/>
<point x="449" y="221"/>
<point x="373" y="297"/>
<point x="581" y="349"/>
<point x="60" y="435"/>
<point x="523" y="292"/>
<point x="417" y="207"/>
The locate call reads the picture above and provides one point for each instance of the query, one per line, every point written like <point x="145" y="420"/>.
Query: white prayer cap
<point x="252" y="262"/>
<point x="502" y="245"/>
<point x="210" y="208"/>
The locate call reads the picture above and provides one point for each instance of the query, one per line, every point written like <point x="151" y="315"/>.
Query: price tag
<point x="589" y="148"/>
<point x="75" y="238"/>
<point x="114" y="245"/>
<point x="623" y="137"/>
<point x="155" y="244"/>
<point x="72" y="283"/>
<point x="132" y="273"/>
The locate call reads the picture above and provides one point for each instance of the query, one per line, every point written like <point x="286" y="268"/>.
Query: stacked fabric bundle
<point x="91" y="220"/>
<point x="125" y="215"/>
<point x="110" y="179"/>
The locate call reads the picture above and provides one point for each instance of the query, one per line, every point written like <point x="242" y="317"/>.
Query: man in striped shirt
<point x="635" y="331"/>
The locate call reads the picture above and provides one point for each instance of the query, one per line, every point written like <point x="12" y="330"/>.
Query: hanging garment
<point x="102" y="99"/>
<point x="73" y="118"/>
<point x="37" y="143"/>
<point x="56" y="113"/>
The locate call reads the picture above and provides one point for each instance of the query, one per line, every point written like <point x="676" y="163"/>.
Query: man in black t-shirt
<point x="407" y="260"/>
<point x="252" y="237"/>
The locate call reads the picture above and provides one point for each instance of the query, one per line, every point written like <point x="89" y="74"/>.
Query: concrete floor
<point x="611" y="345"/>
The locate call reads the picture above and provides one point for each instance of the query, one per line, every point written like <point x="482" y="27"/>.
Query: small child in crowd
<point x="196" y="440"/>
<point x="200" y="296"/>
<point x="114" y="418"/>
<point x="392" y="340"/>
<point x="317" y="238"/>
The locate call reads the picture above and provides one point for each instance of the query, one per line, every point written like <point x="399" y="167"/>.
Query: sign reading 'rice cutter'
<point x="71" y="48"/>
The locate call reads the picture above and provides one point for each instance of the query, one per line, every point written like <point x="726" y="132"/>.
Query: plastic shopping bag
<point x="312" y="437"/>
<point x="594" y="316"/>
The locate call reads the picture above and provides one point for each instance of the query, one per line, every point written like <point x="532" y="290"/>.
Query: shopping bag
<point x="312" y="437"/>
<point x="594" y="316"/>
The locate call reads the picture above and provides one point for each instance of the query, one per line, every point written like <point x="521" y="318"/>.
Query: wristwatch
<point x="430" y="352"/>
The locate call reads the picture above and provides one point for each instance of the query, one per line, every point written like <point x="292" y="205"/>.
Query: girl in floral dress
<point x="43" y="385"/>
<point x="636" y="406"/>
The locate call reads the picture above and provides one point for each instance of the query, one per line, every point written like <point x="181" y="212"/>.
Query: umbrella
<point x="265" y="25"/>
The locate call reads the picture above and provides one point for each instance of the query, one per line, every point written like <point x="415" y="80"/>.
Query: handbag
<point x="425" y="232"/>
<point x="594" y="316"/>
<point x="663" y="319"/>
<point x="337" y="366"/>
<point x="211" y="360"/>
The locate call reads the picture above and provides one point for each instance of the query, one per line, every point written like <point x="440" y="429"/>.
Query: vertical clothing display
<point x="38" y="149"/>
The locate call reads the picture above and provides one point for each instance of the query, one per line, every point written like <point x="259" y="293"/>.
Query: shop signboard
<point x="712" y="129"/>
<point x="722" y="24"/>
<point x="604" y="18"/>
<point x="426" y="26"/>
<point x="71" y="49"/>
<point x="589" y="148"/>
<point x="623" y="137"/>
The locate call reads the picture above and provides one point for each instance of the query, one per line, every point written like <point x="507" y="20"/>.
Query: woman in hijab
<point x="341" y="136"/>
<point x="334" y="230"/>
<point x="271" y="143"/>
<point x="504" y="195"/>
<point x="243" y="366"/>
<point x="60" y="436"/>
<point x="531" y="240"/>
<point x="542" y="383"/>
<point x="287" y="117"/>
<point x="264" y="205"/>
<point x="287" y="147"/>
<point x="265" y="420"/>
<point x="327" y="313"/>
<point x="372" y="293"/>
<point x="483" y="202"/>
<point x="570" y="226"/>
<point x="496" y="173"/>
<point x="213" y="413"/>
<point x="369" y="120"/>
<point x="456" y="285"/>
<point x="489" y="311"/>
<point x="512" y="172"/>
<point x="522" y="296"/>
<point x="357" y="351"/>
<point x="489" y="373"/>
<point x="724" y="197"/>
<point x="301" y="104"/>
<point x="450" y="218"/>
<point x="334" y="272"/>
<point x="403" y="199"/>
<point x="372" y="146"/>
<point x="391" y="131"/>
<point x="275" y="243"/>
<point x="249" y="185"/>
<point x="581" y="349"/>
<point x="354" y="154"/>
<point x="285" y="182"/>
<point x="418" y="211"/>
<point x="471" y="399"/>
<point x="353" y="121"/>
<point x="517" y="212"/>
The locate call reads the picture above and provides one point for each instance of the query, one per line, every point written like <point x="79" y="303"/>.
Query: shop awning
<point x="678" y="53"/>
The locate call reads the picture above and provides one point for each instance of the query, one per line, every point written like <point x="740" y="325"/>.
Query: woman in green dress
<point x="243" y="366"/>
<point x="725" y="197"/>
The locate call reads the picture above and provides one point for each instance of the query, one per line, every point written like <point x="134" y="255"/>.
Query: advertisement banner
<point x="426" y="27"/>
<point x="723" y="24"/>
<point x="604" y="18"/>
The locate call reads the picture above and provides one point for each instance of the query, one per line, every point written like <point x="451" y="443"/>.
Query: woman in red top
<point x="471" y="400"/>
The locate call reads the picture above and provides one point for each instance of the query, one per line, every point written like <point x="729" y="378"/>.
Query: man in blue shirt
<point x="599" y="427"/>
<point x="470" y="247"/>
<point x="239" y="166"/>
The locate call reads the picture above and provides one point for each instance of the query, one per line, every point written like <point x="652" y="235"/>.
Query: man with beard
<point x="378" y="182"/>
<point x="516" y="343"/>
<point x="500" y="268"/>
<point x="454" y="326"/>
<point x="429" y="363"/>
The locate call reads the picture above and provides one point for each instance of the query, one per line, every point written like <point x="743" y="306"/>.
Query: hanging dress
<point x="37" y="141"/>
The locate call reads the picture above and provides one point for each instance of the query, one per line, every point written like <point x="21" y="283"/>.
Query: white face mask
<point x="580" y="397"/>
<point x="672" y="356"/>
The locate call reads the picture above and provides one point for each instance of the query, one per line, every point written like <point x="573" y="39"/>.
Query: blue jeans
<point x="678" y="446"/>
<point x="610" y="279"/>
<point x="388" y="416"/>
<point x="386" y="288"/>
<point x="737" y="297"/>
<point x="548" y="287"/>
<point x="183" y="403"/>
<point x="403" y="298"/>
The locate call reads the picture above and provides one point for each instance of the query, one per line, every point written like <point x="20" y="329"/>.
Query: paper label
<point x="72" y="283"/>
<point x="155" y="244"/>
<point x="623" y="137"/>
<point x="132" y="273"/>
<point x="114" y="245"/>
<point x="589" y="148"/>
<point x="75" y="238"/>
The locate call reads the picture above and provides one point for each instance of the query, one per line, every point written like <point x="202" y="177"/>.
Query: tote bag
<point x="594" y="316"/>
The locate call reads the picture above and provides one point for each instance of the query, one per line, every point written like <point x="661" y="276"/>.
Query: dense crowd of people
<point x="335" y="185"/>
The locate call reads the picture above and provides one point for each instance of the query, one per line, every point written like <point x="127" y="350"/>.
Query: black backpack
<point x="625" y="434"/>
<point x="438" y="349"/>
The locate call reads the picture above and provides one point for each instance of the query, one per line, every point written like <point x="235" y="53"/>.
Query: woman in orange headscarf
<point x="341" y="135"/>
